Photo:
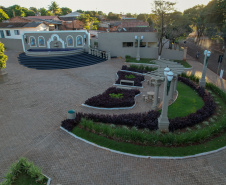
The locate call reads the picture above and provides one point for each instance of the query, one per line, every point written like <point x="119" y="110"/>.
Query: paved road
<point x="33" y="103"/>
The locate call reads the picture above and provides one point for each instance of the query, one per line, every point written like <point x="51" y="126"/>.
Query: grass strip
<point x="214" y="144"/>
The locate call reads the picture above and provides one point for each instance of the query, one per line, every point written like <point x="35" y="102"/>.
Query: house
<point x="73" y="14"/>
<point x="53" y="22"/>
<point x="115" y="25"/>
<point x="14" y="30"/>
<point x="71" y="23"/>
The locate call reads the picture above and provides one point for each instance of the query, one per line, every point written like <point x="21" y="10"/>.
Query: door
<point x="2" y="34"/>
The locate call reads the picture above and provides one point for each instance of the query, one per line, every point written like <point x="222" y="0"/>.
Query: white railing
<point x="101" y="54"/>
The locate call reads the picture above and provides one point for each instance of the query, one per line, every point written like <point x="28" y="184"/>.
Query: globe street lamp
<point x="202" y="81"/>
<point x="163" y="121"/>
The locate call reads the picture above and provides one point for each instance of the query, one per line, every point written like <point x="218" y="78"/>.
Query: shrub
<point x="139" y="68"/>
<point x="114" y="97"/>
<point x="137" y="80"/>
<point x="23" y="165"/>
<point x="3" y="58"/>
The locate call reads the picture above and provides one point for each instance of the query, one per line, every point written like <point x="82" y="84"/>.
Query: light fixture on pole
<point x="138" y="40"/>
<point x="202" y="81"/>
<point x="163" y="121"/>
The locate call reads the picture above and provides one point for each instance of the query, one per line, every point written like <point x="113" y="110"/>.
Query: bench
<point x="127" y="82"/>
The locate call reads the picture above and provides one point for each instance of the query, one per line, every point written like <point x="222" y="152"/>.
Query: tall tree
<point x="54" y="7"/>
<point x="45" y="12"/>
<point x="15" y="10"/>
<point x="216" y="21"/>
<point x="161" y="10"/>
<point x="142" y="17"/>
<point x="34" y="9"/>
<point x="3" y="15"/>
<point x="65" y="10"/>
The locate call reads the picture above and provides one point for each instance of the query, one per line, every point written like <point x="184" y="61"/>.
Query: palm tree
<point x="54" y="7"/>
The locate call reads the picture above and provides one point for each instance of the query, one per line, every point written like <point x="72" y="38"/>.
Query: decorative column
<point x="163" y="121"/>
<point x="157" y="84"/>
<point x="138" y="49"/>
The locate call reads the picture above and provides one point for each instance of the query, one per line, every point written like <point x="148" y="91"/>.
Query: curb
<point x="143" y="156"/>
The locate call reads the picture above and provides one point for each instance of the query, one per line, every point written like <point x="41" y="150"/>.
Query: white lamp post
<point x="163" y="121"/>
<point x="202" y="81"/>
<point x="138" y="40"/>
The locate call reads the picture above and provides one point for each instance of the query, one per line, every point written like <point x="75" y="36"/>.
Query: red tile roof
<point x="42" y="17"/>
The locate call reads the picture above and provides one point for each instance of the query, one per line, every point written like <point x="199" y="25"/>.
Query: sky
<point x="115" y="6"/>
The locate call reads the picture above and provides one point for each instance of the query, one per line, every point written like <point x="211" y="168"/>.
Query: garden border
<point x="117" y="108"/>
<point x="142" y="156"/>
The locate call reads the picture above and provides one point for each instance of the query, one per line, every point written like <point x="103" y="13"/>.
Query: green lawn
<point x="188" y="101"/>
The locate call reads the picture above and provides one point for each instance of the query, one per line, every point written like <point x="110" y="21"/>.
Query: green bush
<point x="3" y="57"/>
<point x="23" y="165"/>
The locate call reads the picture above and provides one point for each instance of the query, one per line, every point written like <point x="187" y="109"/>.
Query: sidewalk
<point x="210" y="75"/>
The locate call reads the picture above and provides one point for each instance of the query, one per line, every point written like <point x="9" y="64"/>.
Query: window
<point x="2" y="34"/>
<point x="32" y="41"/>
<point x="142" y="44"/>
<point x="152" y="44"/>
<point x="70" y="41"/>
<point x="8" y="33"/>
<point x="79" y="40"/>
<point x="17" y="32"/>
<point x="127" y="44"/>
<point x="41" y="41"/>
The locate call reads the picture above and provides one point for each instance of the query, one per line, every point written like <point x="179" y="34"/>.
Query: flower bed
<point x="138" y="68"/>
<point x="137" y="80"/>
<point x="113" y="98"/>
<point x="149" y="120"/>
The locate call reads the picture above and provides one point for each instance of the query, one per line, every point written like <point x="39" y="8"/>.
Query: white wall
<point x="41" y="27"/>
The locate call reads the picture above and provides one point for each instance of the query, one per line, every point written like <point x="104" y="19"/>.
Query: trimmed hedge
<point x="105" y="100"/>
<point x="138" y="69"/>
<point x="137" y="80"/>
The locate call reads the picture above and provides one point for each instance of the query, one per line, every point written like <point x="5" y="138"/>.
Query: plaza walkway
<point x="32" y="105"/>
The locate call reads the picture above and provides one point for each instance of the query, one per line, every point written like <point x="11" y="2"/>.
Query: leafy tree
<point x="54" y="7"/>
<point x="142" y="17"/>
<point x="161" y="10"/>
<point x="85" y="18"/>
<point x="129" y="15"/>
<point x="45" y="12"/>
<point x="34" y="9"/>
<point x="215" y="19"/>
<point x="3" y="57"/>
<point x="178" y="28"/>
<point x="112" y="16"/>
<point x="65" y="10"/>
<point x="15" y="10"/>
<point x="28" y="12"/>
<point x="80" y="11"/>
<point x="3" y="15"/>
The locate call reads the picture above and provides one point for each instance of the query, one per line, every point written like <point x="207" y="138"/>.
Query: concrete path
<point x="32" y="105"/>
